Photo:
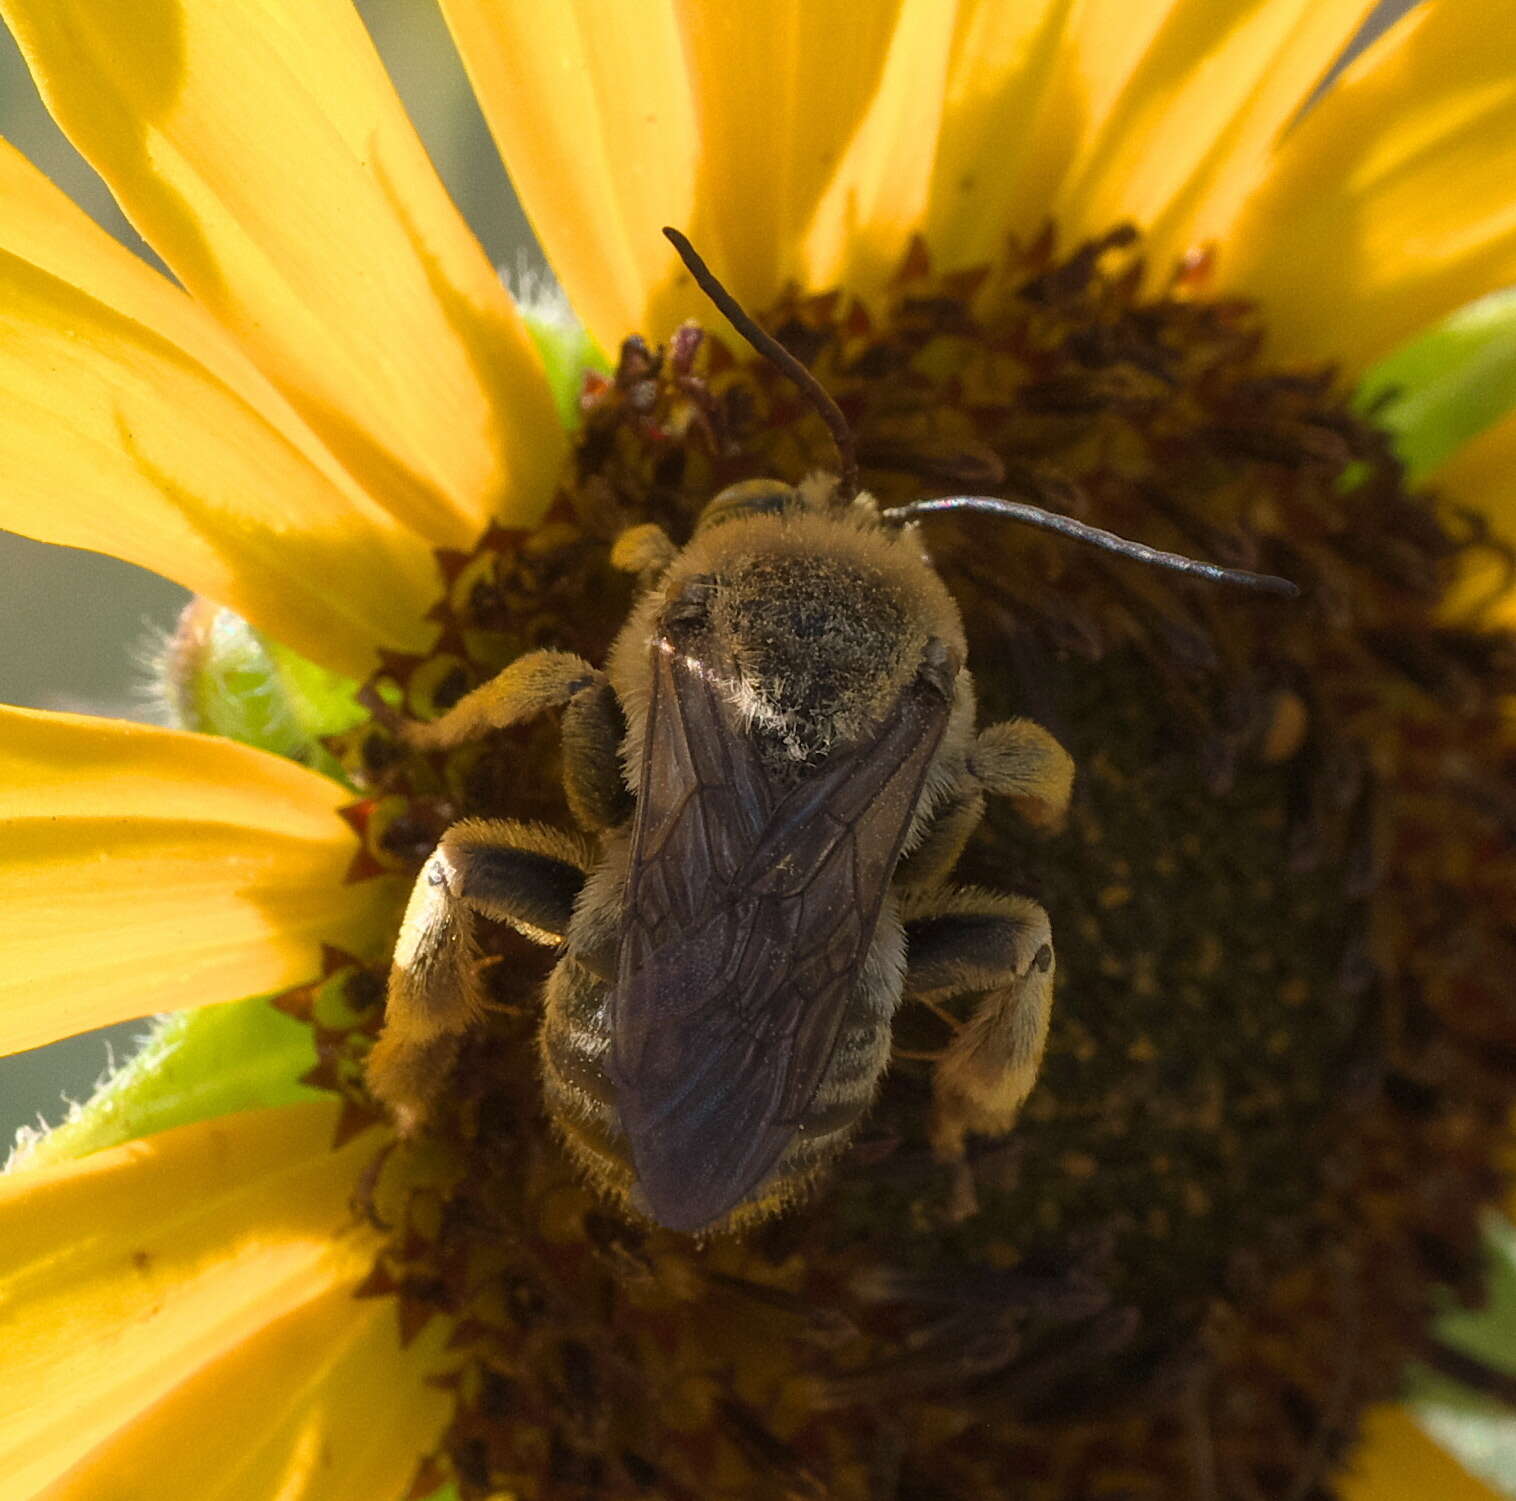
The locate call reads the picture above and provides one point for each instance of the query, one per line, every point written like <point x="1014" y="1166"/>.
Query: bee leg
<point x="644" y="550"/>
<point x="593" y="727"/>
<point x="531" y="685"/>
<point x="1022" y="761"/>
<point x="1016" y="759"/>
<point x="953" y="821"/>
<point x="522" y="874"/>
<point x="1000" y="948"/>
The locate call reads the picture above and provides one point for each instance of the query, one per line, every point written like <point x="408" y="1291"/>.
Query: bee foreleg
<point x="645" y="550"/>
<point x="1022" y="761"/>
<point x="593" y="727"/>
<point x="1000" y="948"/>
<point x="522" y="874"/>
<point x="531" y="685"/>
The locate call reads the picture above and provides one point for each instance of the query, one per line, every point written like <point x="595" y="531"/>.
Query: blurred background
<point x="78" y="629"/>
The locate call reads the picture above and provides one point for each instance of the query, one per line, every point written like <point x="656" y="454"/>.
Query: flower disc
<point x="1279" y="1068"/>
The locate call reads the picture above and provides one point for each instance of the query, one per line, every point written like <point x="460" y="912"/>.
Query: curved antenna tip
<point x="777" y="355"/>
<point x="1094" y="536"/>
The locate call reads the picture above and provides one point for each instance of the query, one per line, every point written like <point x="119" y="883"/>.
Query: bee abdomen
<point x="575" y="1041"/>
<point x="573" y="1044"/>
<point x="845" y="1094"/>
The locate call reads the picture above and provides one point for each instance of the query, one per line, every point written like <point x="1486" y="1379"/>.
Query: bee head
<point x="750" y="498"/>
<point x="811" y="615"/>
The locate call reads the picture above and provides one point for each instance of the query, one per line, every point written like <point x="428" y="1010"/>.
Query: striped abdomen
<point x="574" y="1043"/>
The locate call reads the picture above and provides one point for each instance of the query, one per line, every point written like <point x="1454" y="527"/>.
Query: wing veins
<point x="722" y="1033"/>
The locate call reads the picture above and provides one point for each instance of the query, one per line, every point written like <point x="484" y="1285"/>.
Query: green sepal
<point x="1477" y="1430"/>
<point x="320" y="702"/>
<point x="567" y="350"/>
<point x="221" y="676"/>
<point x="1446" y="386"/>
<point x="242" y="1055"/>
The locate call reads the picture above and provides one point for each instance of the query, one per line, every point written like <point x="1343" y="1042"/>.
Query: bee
<point x="773" y="777"/>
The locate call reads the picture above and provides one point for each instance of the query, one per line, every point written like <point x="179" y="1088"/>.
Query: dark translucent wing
<point x="748" y="916"/>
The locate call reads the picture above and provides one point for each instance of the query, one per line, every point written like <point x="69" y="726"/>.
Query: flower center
<point x="1278" y="1070"/>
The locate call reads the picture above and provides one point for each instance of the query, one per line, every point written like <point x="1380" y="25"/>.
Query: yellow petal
<point x="817" y="120"/>
<point x="993" y="171"/>
<point x="1195" y="118"/>
<point x="180" y="1321"/>
<point x="1392" y="202"/>
<point x="1028" y="92"/>
<point x="989" y="118"/>
<point x="876" y="198"/>
<point x="129" y="424"/>
<point x="809" y="139"/>
<point x="1396" y="1461"/>
<point x="146" y="870"/>
<point x="262" y="152"/>
<point x="979" y="110"/>
<point x="320" y="1403"/>
<point x="1482" y="475"/>
<point x="765" y="133"/>
<point x="590" y="105"/>
<point x="876" y="122"/>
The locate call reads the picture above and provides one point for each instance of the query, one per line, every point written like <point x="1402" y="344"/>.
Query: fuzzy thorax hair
<point x="814" y="619"/>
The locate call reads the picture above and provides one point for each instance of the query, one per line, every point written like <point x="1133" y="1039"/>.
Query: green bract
<point x="195" y="1064"/>
<point x="1446" y="386"/>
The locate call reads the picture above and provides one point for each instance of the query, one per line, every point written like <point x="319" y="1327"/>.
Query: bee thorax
<point x="815" y="647"/>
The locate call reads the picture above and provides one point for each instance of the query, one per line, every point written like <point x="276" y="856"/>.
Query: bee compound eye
<point x="749" y="497"/>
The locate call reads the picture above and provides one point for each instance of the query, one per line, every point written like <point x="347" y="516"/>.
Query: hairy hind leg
<point x="523" y="874"/>
<point x="1000" y="949"/>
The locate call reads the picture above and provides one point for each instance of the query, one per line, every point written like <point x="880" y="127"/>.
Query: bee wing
<point x="747" y="919"/>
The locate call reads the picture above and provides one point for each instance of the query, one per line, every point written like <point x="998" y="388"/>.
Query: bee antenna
<point x="1066" y="526"/>
<point x="775" y="352"/>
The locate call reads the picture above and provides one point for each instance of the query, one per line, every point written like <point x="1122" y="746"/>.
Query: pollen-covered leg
<point x="526" y="874"/>
<point x="531" y="685"/>
<point x="1022" y="761"/>
<point x="1015" y="759"/>
<point x="644" y="550"/>
<point x="523" y="874"/>
<point x="999" y="947"/>
<point x="593" y="727"/>
<point x="932" y="861"/>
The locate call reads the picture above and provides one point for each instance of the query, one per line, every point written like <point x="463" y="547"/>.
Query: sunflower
<point x="1114" y="257"/>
